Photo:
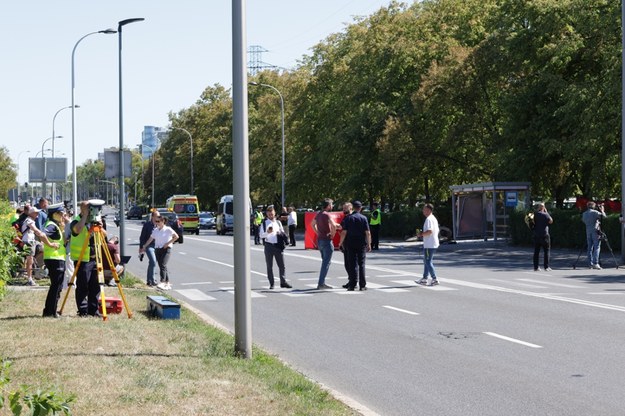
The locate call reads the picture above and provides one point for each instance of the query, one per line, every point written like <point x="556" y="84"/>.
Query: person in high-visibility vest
<point x="54" y="257"/>
<point x="87" y="285"/>
<point x="258" y="220"/>
<point x="374" y="225"/>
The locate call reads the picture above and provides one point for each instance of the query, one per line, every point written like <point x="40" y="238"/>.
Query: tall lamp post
<point x="45" y="167"/>
<point x="53" y="121"/>
<point x="191" y="139"/>
<point x="152" y="157"/>
<point x="122" y="189"/>
<point x="256" y="84"/>
<point x="73" y="106"/>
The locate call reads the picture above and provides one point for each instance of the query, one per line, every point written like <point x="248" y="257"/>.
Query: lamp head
<point x="108" y="31"/>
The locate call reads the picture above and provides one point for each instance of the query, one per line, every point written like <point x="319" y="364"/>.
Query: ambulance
<point x="187" y="209"/>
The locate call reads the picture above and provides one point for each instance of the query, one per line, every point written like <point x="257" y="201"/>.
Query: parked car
<point x="135" y="211"/>
<point x="207" y="220"/>
<point x="173" y="221"/>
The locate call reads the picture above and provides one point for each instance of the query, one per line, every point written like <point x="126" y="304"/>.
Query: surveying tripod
<point x="602" y="237"/>
<point x="99" y="247"/>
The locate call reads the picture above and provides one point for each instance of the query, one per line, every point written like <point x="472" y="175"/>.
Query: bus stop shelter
<point x="481" y="210"/>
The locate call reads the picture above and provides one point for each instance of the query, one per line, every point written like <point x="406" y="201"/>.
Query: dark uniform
<point x="54" y="260"/>
<point x="355" y="245"/>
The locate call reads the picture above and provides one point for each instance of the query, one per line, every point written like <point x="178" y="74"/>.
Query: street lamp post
<point x="53" y="121"/>
<point x="191" y="139"/>
<point x="44" y="185"/>
<point x="73" y="106"/>
<point x="122" y="190"/>
<point x="256" y="84"/>
<point x="152" y="157"/>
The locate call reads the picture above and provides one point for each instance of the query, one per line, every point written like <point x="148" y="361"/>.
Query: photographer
<point x="592" y="219"/>
<point x="87" y="285"/>
<point x="542" y="219"/>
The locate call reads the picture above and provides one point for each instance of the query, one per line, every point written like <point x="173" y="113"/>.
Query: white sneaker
<point x="596" y="267"/>
<point x="167" y="286"/>
<point x="161" y="286"/>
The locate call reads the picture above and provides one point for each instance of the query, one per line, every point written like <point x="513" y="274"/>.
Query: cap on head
<point x="357" y="204"/>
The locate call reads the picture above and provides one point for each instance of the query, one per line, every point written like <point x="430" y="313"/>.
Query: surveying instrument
<point x="100" y="247"/>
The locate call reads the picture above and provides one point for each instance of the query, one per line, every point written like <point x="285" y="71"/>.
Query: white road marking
<point x="607" y="293"/>
<point x="518" y="284"/>
<point x="297" y="295"/>
<point x="252" y="293"/>
<point x="516" y="341"/>
<point x="182" y="253"/>
<point x="543" y="282"/>
<point x="194" y="294"/>
<point x="217" y="262"/>
<point x="195" y="283"/>
<point x="400" y="310"/>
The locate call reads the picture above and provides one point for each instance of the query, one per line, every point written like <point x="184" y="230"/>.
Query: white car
<point x="207" y="220"/>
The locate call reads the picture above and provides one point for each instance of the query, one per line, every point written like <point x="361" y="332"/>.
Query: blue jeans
<point x="594" y="247"/>
<point x="326" y="248"/>
<point x="151" y="254"/>
<point x="428" y="265"/>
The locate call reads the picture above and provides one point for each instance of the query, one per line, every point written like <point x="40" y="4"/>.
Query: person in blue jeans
<point x="430" y="244"/>
<point x="323" y="225"/>
<point x="150" y="252"/>
<point x="592" y="219"/>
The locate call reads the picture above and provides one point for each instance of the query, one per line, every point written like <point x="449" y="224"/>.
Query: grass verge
<point x="145" y="366"/>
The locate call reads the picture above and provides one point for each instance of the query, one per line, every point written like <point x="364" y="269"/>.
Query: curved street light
<point x="256" y="84"/>
<point x="73" y="106"/>
<point x="53" y="121"/>
<point x="191" y="139"/>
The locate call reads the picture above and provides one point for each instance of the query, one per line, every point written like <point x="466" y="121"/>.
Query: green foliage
<point x="567" y="230"/>
<point x="9" y="259"/>
<point x="8" y="173"/>
<point x="39" y="403"/>
<point x="412" y="99"/>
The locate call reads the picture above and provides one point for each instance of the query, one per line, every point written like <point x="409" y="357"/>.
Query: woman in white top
<point x="163" y="237"/>
<point x="269" y="230"/>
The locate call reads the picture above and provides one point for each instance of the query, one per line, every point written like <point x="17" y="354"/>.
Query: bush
<point x="567" y="230"/>
<point x="9" y="259"/>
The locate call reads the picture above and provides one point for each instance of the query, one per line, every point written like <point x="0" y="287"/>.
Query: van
<point x="187" y="209"/>
<point x="224" y="218"/>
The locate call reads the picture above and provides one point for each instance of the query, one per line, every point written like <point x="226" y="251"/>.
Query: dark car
<point x="135" y="211"/>
<point x="173" y="222"/>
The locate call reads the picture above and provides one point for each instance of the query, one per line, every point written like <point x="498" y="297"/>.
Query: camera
<point x="95" y="207"/>
<point x="141" y="256"/>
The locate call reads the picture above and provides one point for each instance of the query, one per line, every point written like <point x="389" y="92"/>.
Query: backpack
<point x="529" y="220"/>
<point x="19" y="233"/>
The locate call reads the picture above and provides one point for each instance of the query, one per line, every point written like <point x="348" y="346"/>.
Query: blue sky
<point x="182" y="47"/>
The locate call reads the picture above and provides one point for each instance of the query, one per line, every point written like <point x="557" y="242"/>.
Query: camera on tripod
<point x="95" y="207"/>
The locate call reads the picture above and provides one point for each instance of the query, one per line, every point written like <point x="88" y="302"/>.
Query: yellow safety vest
<point x="50" y="253"/>
<point x="76" y="243"/>
<point x="258" y="218"/>
<point x="378" y="220"/>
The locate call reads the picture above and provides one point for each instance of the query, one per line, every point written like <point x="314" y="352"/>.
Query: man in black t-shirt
<point x="356" y="241"/>
<point x="542" y="219"/>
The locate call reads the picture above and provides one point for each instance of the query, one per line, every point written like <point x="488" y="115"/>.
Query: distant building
<point x="151" y="139"/>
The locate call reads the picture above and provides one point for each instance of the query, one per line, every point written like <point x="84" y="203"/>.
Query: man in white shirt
<point x="430" y="244"/>
<point x="292" y="223"/>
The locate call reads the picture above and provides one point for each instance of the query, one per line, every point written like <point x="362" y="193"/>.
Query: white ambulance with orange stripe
<point x="187" y="209"/>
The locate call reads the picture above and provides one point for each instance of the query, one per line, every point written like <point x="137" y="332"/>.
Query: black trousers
<point x="56" y="270"/>
<point x="162" y="258"/>
<point x="272" y="251"/>
<point x="375" y="236"/>
<point x="87" y="288"/>
<point x="543" y="242"/>
<point x="356" y="266"/>
<point x="292" y="234"/>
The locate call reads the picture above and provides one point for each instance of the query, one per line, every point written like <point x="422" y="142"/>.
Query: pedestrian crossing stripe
<point x="194" y="294"/>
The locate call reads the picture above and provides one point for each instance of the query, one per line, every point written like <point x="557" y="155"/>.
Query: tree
<point x="8" y="174"/>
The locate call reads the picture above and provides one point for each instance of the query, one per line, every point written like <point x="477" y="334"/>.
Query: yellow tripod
<point x="99" y="247"/>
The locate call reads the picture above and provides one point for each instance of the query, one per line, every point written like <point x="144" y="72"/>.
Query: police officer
<point x="54" y="257"/>
<point x="258" y="220"/>
<point x="87" y="285"/>
<point x="374" y="225"/>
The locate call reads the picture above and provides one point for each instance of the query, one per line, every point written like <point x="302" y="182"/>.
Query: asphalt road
<point x="495" y="338"/>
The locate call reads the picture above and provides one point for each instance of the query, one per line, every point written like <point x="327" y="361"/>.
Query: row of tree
<point x="414" y="98"/>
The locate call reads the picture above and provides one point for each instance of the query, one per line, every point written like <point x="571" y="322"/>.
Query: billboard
<point x="55" y="169"/>
<point x="111" y="164"/>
